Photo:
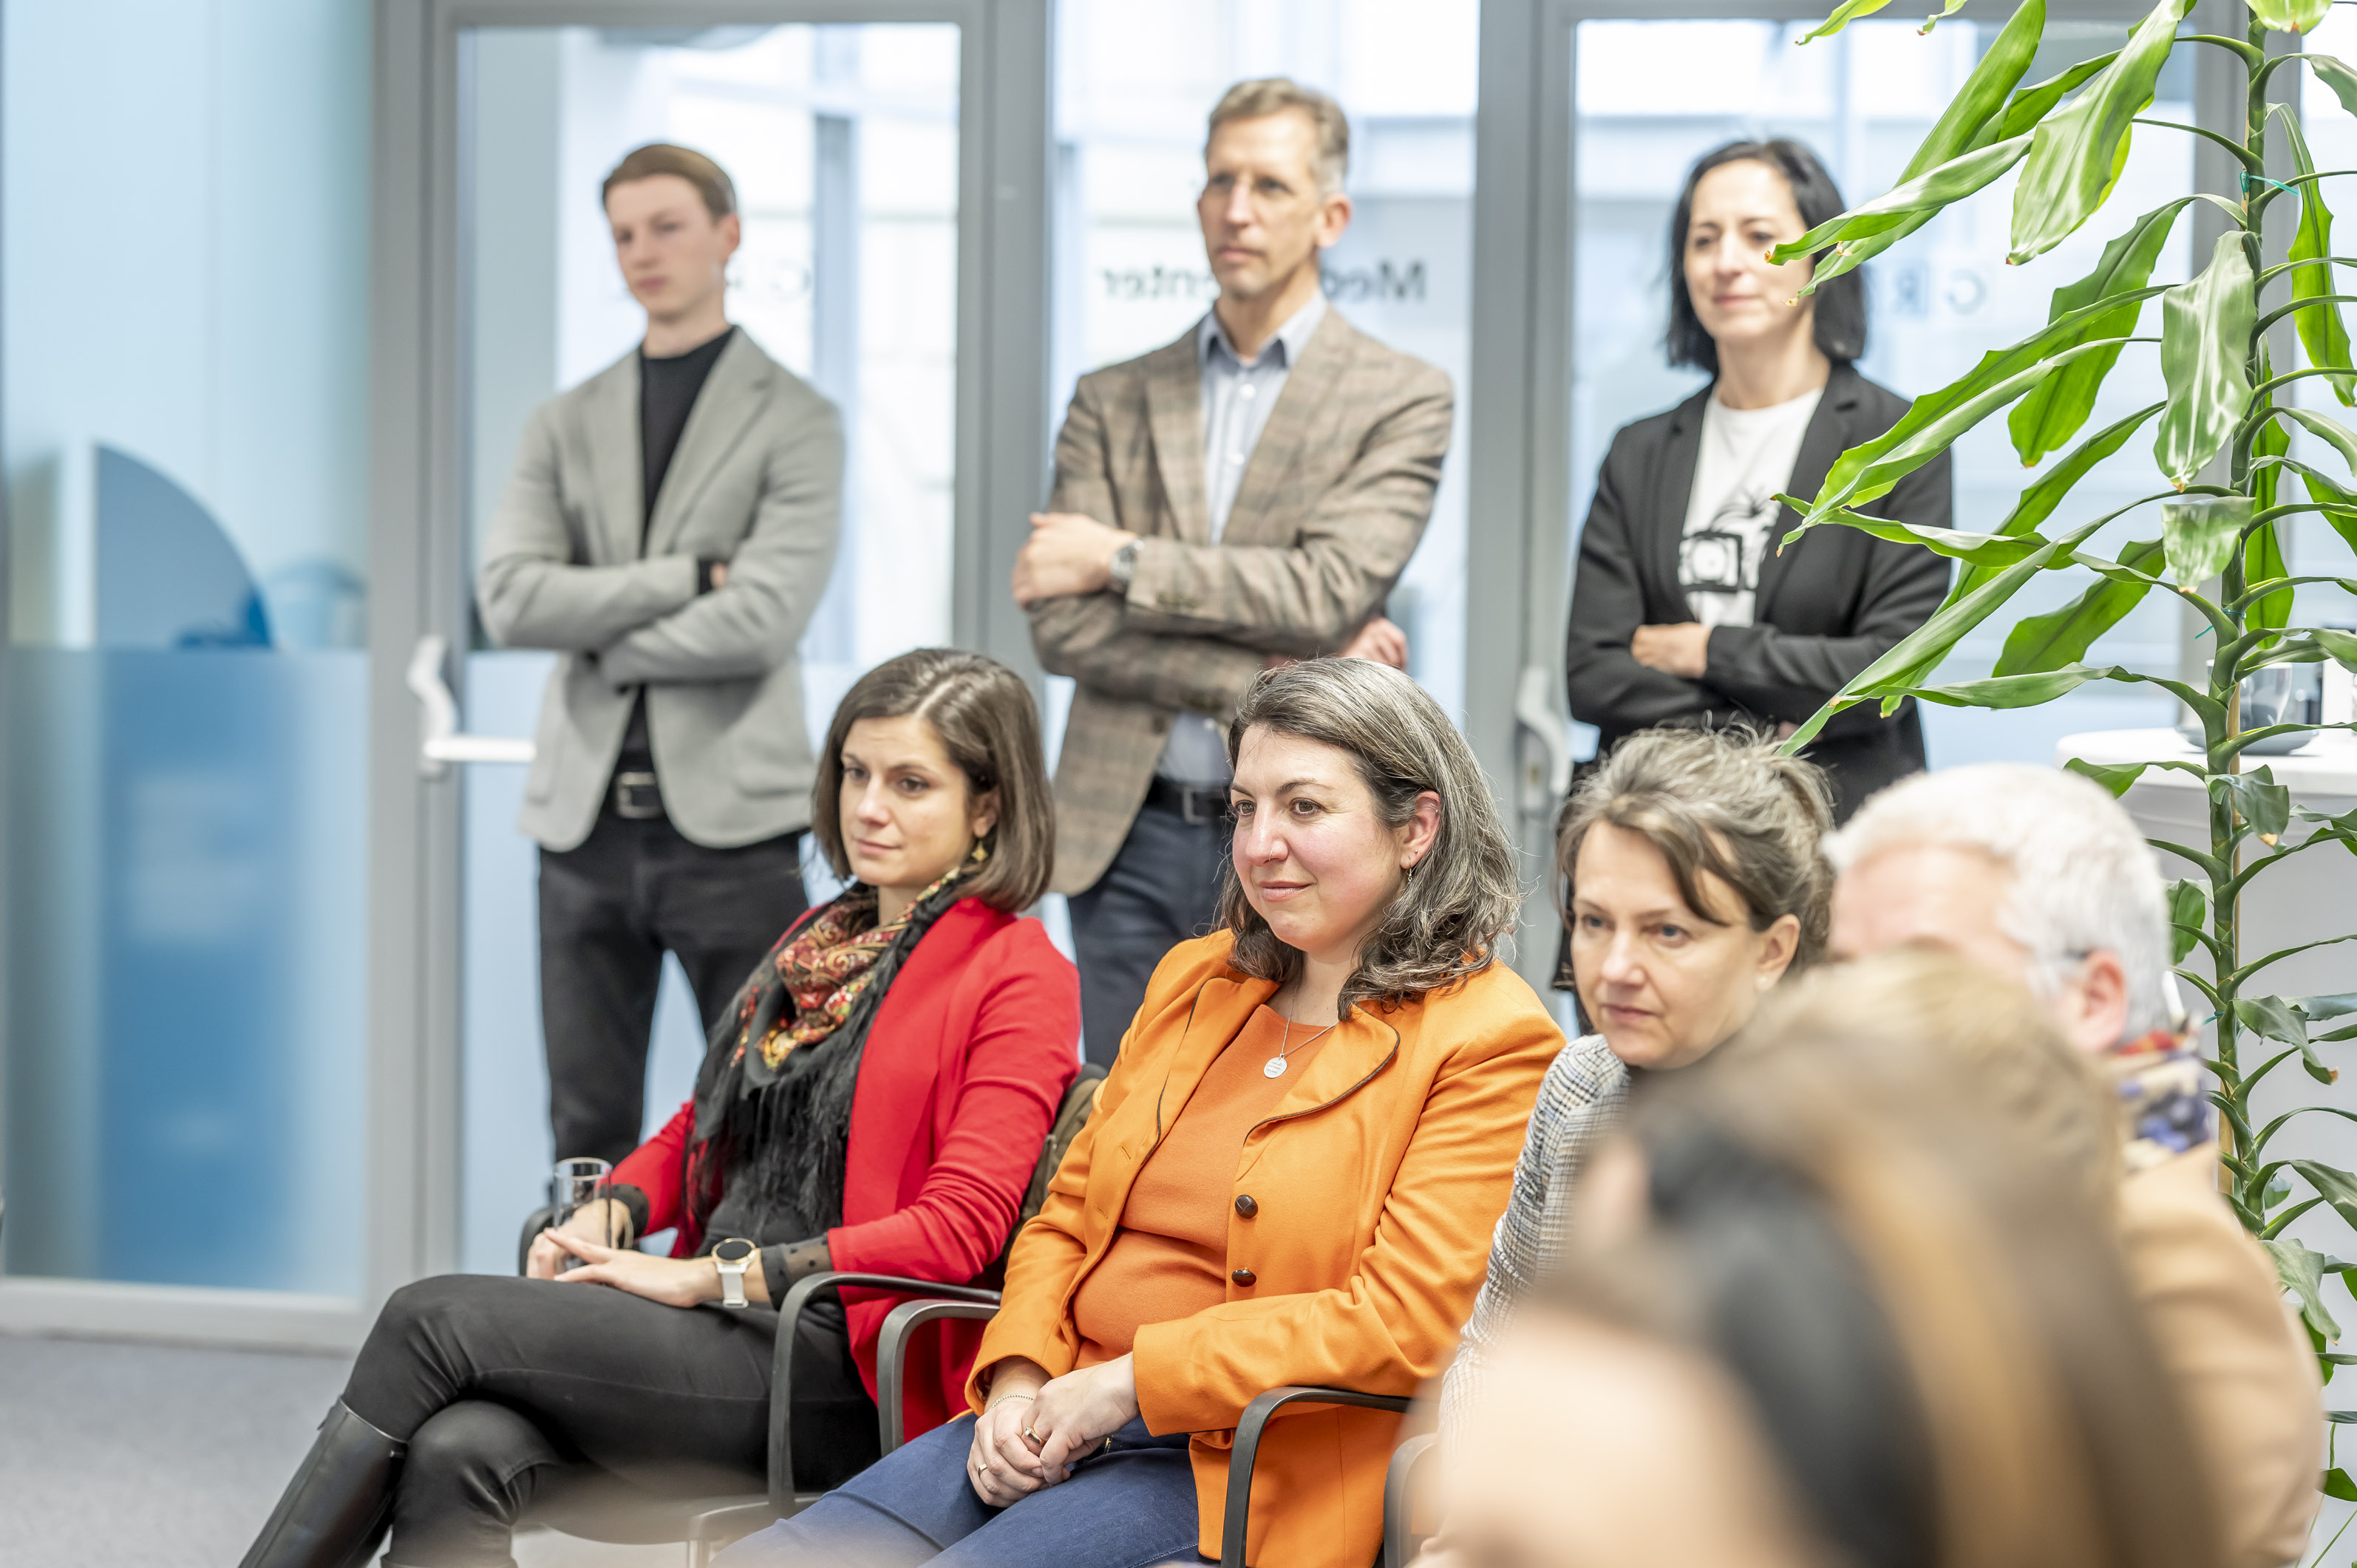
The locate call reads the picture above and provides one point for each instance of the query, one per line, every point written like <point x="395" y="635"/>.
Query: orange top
<point x="1169" y="1258"/>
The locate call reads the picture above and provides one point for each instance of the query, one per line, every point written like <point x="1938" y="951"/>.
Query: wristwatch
<point x="734" y="1256"/>
<point x="1125" y="565"/>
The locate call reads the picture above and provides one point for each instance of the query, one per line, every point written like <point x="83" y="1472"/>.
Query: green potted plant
<point x="2225" y="490"/>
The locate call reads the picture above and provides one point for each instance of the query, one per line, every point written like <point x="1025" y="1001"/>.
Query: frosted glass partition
<point x="1863" y="101"/>
<point x="1134" y="84"/>
<point x="843" y="145"/>
<point x="184" y="783"/>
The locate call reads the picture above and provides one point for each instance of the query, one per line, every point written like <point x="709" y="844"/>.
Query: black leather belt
<point x="1193" y="802"/>
<point x="635" y="796"/>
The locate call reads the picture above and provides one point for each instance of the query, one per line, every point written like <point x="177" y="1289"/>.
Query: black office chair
<point x="619" y="1514"/>
<point x="1399" y="1546"/>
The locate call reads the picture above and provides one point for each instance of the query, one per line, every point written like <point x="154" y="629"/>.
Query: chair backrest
<point x="1071" y="1117"/>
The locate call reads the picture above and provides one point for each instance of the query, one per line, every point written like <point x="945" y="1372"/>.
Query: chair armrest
<point x="1246" y="1451"/>
<point x="782" y="1495"/>
<point x="892" y="1354"/>
<point x="538" y="1220"/>
<point x="1399" y="1500"/>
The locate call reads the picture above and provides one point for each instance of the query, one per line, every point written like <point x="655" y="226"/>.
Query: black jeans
<point x="508" y="1390"/>
<point x="608" y="911"/>
<point x="1162" y="888"/>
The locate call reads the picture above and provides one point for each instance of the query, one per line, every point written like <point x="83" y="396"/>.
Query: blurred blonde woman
<point x="1884" y="1327"/>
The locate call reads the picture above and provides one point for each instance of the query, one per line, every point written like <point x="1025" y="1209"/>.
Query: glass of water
<point x="576" y="1185"/>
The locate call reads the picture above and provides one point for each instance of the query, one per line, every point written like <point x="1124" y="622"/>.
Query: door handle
<point x="1535" y="711"/>
<point x="440" y="742"/>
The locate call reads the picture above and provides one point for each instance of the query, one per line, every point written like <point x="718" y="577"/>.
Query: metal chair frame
<point x="1246" y="1453"/>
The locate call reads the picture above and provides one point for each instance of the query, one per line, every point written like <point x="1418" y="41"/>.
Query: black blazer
<point x="1826" y="607"/>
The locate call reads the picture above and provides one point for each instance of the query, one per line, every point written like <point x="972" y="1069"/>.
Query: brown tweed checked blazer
<point x="1332" y="502"/>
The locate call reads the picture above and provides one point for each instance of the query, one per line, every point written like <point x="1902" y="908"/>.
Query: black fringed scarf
<point x="773" y="1105"/>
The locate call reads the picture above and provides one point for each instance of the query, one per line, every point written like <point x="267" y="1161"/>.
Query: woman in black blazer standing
<point x="1683" y="611"/>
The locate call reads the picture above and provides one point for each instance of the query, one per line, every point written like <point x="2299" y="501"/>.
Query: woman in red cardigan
<point x="875" y="1101"/>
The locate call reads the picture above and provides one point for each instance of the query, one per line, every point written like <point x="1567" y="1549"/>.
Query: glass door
<point x="843" y="143"/>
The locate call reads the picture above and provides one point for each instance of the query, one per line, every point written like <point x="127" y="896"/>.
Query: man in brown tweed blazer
<point x="1243" y="496"/>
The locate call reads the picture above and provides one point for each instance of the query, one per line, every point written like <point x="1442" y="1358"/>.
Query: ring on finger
<point x="1030" y="1435"/>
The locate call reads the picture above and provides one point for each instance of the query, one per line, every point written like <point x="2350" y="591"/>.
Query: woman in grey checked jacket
<point x="1694" y="883"/>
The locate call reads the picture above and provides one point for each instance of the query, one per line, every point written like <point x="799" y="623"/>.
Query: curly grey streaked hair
<point x="1446" y="923"/>
<point x="1725" y="802"/>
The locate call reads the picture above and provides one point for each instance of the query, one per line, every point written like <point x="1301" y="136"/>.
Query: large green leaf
<point x="1875" y="467"/>
<point x="2335" y="1185"/>
<point x="2329" y="430"/>
<point x="2290" y="16"/>
<point x="1915" y="655"/>
<point x="1943" y="14"/>
<point x="1927" y="192"/>
<point x="2258" y="799"/>
<point x="2060" y="636"/>
<point x="2033" y="103"/>
<point x="2015" y="691"/>
<point x="2322" y="331"/>
<point x="2301" y="1271"/>
<point x="1845" y="13"/>
<point x="1993" y="550"/>
<point x="2039" y="500"/>
<point x="2205" y="351"/>
<point x="2335" y="75"/>
<point x="2056" y="407"/>
<point x="2077" y="151"/>
<point x="2263" y="562"/>
<point x="2339" y="506"/>
<point x="2188" y="905"/>
<point x="2199" y="535"/>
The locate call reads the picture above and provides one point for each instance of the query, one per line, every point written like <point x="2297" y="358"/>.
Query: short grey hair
<point x="1447" y="922"/>
<point x="2083" y="879"/>
<point x="1266" y="95"/>
<point x="1723" y="801"/>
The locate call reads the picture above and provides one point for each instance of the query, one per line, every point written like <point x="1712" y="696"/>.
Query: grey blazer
<point x="756" y="481"/>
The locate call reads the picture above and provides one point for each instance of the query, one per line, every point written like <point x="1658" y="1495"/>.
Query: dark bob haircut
<point x="982" y="713"/>
<point x="1840" y="304"/>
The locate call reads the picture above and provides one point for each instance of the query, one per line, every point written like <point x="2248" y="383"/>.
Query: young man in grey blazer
<point x="1246" y="495"/>
<point x="668" y="529"/>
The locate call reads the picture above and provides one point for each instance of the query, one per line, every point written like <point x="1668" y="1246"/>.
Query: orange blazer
<point x="1375" y="1186"/>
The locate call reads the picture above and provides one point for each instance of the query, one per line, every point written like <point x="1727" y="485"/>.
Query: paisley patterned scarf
<point x="774" y="1098"/>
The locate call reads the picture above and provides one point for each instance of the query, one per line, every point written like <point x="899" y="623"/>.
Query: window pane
<point x="843" y="145"/>
<point x="186" y="444"/>
<point x="1863" y="100"/>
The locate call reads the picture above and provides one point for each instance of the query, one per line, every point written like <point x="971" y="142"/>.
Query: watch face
<point x="735" y="1250"/>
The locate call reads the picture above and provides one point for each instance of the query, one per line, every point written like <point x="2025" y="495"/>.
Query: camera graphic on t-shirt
<point x="1724" y="557"/>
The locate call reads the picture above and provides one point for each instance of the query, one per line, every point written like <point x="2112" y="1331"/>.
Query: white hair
<point x="2083" y="879"/>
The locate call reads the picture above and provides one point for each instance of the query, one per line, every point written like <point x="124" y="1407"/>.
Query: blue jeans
<point x="1127" y="1506"/>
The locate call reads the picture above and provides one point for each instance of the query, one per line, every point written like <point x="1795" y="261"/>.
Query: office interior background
<point x="280" y="280"/>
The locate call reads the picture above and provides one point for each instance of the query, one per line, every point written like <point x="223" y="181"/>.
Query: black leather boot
<point x="334" y="1512"/>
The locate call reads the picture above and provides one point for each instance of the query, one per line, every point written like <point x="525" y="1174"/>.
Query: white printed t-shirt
<point x="1747" y="459"/>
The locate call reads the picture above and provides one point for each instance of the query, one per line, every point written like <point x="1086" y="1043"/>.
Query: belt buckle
<point x="1187" y="795"/>
<point x="636" y="799"/>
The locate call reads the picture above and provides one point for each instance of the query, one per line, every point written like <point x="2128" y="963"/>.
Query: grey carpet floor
<point x="170" y="1457"/>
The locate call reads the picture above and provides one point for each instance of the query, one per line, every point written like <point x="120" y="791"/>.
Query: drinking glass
<point x="576" y="1183"/>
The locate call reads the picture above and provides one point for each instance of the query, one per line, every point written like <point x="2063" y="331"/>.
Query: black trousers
<point x="608" y="911"/>
<point x="1162" y="888"/>
<point x="511" y="1391"/>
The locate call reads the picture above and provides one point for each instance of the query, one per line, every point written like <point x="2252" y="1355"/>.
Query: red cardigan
<point x="969" y="1056"/>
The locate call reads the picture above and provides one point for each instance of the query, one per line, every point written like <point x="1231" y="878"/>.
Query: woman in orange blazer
<point x="1291" y="1177"/>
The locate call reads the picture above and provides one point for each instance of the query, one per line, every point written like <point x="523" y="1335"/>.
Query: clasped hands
<point x="1034" y="1427"/>
<point x="1070" y="553"/>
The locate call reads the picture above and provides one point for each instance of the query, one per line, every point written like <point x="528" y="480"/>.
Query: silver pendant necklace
<point x="1274" y="1066"/>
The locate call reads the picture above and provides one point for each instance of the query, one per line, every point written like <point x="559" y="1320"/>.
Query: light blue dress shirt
<point x="1237" y="397"/>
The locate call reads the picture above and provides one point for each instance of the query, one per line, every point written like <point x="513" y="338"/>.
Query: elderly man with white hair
<point x="2041" y="877"/>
